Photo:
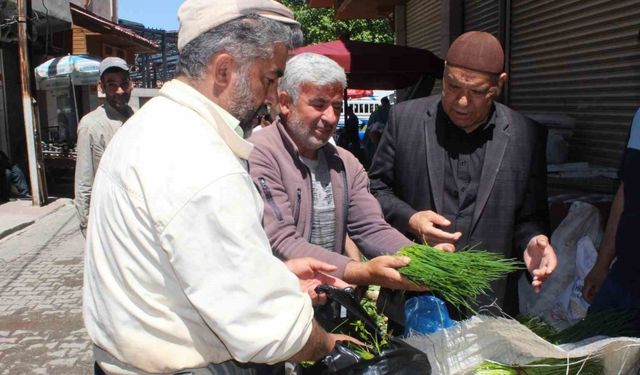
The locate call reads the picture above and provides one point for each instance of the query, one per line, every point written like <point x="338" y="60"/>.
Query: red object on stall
<point x="378" y="65"/>
<point x="358" y="93"/>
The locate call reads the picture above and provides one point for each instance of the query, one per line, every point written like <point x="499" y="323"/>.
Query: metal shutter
<point x="424" y="29"/>
<point x="423" y="25"/>
<point x="580" y="58"/>
<point x="482" y="15"/>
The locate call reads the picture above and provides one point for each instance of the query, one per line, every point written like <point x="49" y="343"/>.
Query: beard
<point x="119" y="101"/>
<point x="242" y="105"/>
<point x="302" y="135"/>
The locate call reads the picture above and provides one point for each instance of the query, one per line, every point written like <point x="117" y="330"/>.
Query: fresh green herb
<point x="550" y="366"/>
<point x="459" y="277"/>
<point x="612" y="323"/>
<point x="539" y="326"/>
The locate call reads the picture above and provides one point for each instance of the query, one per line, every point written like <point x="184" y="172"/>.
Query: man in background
<point x="375" y="127"/>
<point x="12" y="175"/>
<point x="97" y="128"/>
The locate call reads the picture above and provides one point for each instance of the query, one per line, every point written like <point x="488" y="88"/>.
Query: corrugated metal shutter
<point x="423" y="28"/>
<point x="580" y="58"/>
<point x="482" y="15"/>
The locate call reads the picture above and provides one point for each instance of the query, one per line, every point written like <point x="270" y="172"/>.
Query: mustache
<point x="250" y="121"/>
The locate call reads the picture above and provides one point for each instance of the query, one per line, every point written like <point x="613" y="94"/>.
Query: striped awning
<point x="71" y="69"/>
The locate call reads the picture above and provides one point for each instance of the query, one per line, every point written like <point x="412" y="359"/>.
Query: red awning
<point x="377" y="65"/>
<point x="353" y="9"/>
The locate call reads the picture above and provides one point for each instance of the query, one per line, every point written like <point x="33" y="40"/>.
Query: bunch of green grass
<point x="612" y="323"/>
<point x="550" y="366"/>
<point x="458" y="277"/>
<point x="539" y="326"/>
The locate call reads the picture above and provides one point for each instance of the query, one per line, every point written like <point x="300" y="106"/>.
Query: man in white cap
<point x="97" y="128"/>
<point x="179" y="275"/>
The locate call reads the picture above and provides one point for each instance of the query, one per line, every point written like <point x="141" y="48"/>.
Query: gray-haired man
<point x="179" y="275"/>
<point x="314" y="192"/>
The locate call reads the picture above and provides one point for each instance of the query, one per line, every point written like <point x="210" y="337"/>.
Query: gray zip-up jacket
<point x="285" y="185"/>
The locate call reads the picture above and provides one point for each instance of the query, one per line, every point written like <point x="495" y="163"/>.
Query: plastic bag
<point x="399" y="358"/>
<point x="571" y="305"/>
<point x="583" y="219"/>
<point x="459" y="349"/>
<point x="425" y="314"/>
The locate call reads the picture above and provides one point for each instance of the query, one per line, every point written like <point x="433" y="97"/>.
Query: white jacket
<point x="178" y="270"/>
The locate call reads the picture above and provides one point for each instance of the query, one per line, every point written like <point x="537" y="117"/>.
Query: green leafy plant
<point x="458" y="277"/>
<point x="612" y="323"/>
<point x="550" y="366"/>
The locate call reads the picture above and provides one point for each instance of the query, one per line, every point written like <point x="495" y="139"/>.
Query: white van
<point x="365" y="106"/>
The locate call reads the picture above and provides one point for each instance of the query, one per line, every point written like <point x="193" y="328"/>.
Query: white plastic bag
<point x="461" y="348"/>
<point x="583" y="219"/>
<point x="570" y="305"/>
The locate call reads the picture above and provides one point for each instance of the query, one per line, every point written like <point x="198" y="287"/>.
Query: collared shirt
<point x="94" y="134"/>
<point x="463" y="167"/>
<point x="178" y="271"/>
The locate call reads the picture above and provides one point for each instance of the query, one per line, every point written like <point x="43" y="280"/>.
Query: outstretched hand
<point x="540" y="259"/>
<point x="311" y="273"/>
<point x="427" y="224"/>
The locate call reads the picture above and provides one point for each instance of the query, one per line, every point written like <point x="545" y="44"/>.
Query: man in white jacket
<point x="179" y="275"/>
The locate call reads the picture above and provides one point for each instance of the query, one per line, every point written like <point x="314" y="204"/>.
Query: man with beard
<point x="314" y="192"/>
<point x="98" y="127"/>
<point x="179" y="275"/>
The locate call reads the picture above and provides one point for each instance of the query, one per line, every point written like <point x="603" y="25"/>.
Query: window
<point x="109" y="50"/>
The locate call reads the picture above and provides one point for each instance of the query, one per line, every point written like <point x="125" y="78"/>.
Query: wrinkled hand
<point x="306" y="268"/>
<point x="338" y="337"/>
<point x="310" y="272"/>
<point x="448" y="247"/>
<point x="540" y="259"/>
<point x="593" y="281"/>
<point x="381" y="270"/>
<point x="423" y="224"/>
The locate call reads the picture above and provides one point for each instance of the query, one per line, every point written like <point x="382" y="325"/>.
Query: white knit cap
<point x="198" y="16"/>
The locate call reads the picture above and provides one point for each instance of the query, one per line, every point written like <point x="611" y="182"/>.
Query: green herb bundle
<point x="458" y="277"/>
<point x="539" y="326"/>
<point x="612" y="323"/>
<point x="550" y="366"/>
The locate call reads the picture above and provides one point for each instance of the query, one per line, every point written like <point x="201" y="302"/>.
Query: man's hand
<point x="594" y="280"/>
<point x="423" y="224"/>
<point x="381" y="271"/>
<point x="540" y="259"/>
<point x="310" y="271"/>
<point x="320" y="343"/>
<point x="306" y="268"/>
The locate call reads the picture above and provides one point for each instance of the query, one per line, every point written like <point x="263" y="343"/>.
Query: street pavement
<point x="41" y="328"/>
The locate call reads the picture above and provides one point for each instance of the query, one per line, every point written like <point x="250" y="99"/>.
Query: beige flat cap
<point x="198" y="16"/>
